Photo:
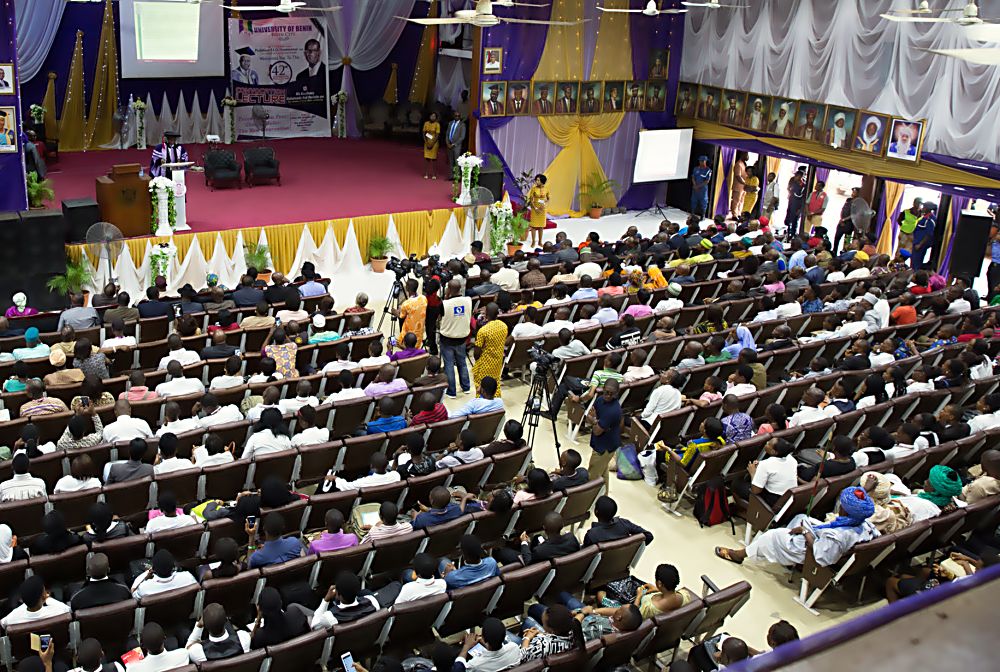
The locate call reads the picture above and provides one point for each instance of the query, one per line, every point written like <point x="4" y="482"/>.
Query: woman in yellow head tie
<point x="538" y="198"/>
<point x="432" y="137"/>
<point x="656" y="279"/>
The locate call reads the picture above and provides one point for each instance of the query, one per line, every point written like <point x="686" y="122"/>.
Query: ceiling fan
<point x="712" y="4"/>
<point x="483" y="17"/>
<point x="649" y="10"/>
<point x="284" y="6"/>
<point x="924" y="14"/>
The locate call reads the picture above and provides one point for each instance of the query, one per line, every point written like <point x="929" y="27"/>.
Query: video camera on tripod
<point x="435" y="267"/>
<point x="544" y="361"/>
<point x="403" y="267"/>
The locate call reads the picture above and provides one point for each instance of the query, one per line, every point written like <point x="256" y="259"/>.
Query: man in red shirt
<point x="429" y="410"/>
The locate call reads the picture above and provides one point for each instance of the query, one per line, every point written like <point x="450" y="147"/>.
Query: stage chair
<point x="260" y="165"/>
<point x="111" y="625"/>
<point x="221" y="169"/>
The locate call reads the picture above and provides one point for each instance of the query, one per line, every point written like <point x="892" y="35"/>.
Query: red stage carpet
<point x="321" y="178"/>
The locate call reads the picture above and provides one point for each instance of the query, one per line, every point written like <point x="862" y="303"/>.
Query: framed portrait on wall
<point x="541" y="98"/>
<point x="493" y="96"/>
<point x="756" y="111"/>
<point x="659" y="61"/>
<point x="838" y="129"/>
<point x="568" y="94"/>
<point x="708" y="103"/>
<point x="614" y="96"/>
<point x="492" y="60"/>
<point x="733" y="104"/>
<point x="809" y="122"/>
<point x="870" y="134"/>
<point x="517" y="98"/>
<point x="656" y="95"/>
<point x="8" y="130"/>
<point x="687" y="100"/>
<point x="6" y="78"/>
<point x="906" y="139"/>
<point x="591" y="95"/>
<point x="635" y="96"/>
<point x="781" y="120"/>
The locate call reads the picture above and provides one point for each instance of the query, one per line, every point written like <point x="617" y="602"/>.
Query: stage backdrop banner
<point x="279" y="71"/>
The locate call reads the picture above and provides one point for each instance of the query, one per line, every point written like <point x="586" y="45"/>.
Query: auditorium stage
<point x="321" y="179"/>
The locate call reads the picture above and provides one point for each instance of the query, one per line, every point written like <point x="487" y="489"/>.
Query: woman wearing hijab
<point x="102" y="524"/>
<point x="940" y="490"/>
<point x="274" y="625"/>
<point x="9" y="552"/>
<point x="744" y="340"/>
<point x="890" y="514"/>
<point x="20" y="307"/>
<point x="870" y="138"/>
<point x="55" y="538"/>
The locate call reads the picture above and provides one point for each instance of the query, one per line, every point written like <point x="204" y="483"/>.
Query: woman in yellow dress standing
<point x="751" y="189"/>
<point x="432" y="137"/>
<point x="538" y="198"/>
<point x="489" y="348"/>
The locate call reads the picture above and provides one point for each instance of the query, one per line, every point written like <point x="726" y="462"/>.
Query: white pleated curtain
<point x="844" y="53"/>
<point x="365" y="31"/>
<point x="37" y="24"/>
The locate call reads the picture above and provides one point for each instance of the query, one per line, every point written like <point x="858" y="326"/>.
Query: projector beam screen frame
<point x="202" y="57"/>
<point x="663" y="155"/>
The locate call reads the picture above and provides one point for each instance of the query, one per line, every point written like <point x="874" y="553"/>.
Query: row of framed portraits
<point x="543" y="98"/>
<point x="847" y="128"/>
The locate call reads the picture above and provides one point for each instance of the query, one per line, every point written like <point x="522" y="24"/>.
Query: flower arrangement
<point x="139" y="108"/>
<point x="467" y="175"/>
<point x="159" y="260"/>
<point x="501" y="226"/>
<point x="37" y="113"/>
<point x="155" y="185"/>
<point x="340" y="120"/>
<point x="229" y="108"/>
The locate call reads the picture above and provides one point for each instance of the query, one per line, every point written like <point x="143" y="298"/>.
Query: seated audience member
<point x="214" y="452"/>
<point x="409" y="349"/>
<point x="40" y="403"/>
<point x="385" y="383"/>
<point x="486" y="400"/>
<point x="375" y="356"/>
<point x="224" y="322"/>
<point x="513" y="439"/>
<point x="307" y="433"/>
<point x="260" y="319"/>
<point x="82" y="476"/>
<point x="213" y="414"/>
<point x="215" y="638"/>
<point x="841" y="463"/>
<point x="162" y="576"/>
<point x="99" y="589"/>
<point x="943" y="485"/>
<point x="102" y="524"/>
<point x="559" y="322"/>
<point x="570" y="472"/>
<point x="538" y="486"/>
<point x="275" y="548"/>
<point x="303" y="397"/>
<point x="156" y="656"/>
<point x="178" y="352"/>
<point x="36" y="604"/>
<point x="736" y="425"/>
<point x="498" y="653"/>
<point x="443" y="509"/>
<point x="341" y="388"/>
<point x="170" y="517"/>
<point x="270" y="435"/>
<point x="21" y="485"/>
<point x="333" y="538"/>
<point x="475" y="567"/>
<point x="582" y="391"/>
<point x="829" y="542"/>
<point x="428" y="409"/>
<point x="137" y="390"/>
<point x="987" y="483"/>
<point x="232" y="376"/>
<point x="133" y="468"/>
<point x="55" y="538"/>
<point x="432" y="373"/>
<point x="380" y="474"/>
<point x="275" y="625"/>
<point x="166" y="459"/>
<point x="219" y="348"/>
<point x="268" y="400"/>
<point x="569" y="347"/>
<point x="558" y="631"/>
<point x="387" y="525"/>
<point x="388" y="418"/>
<point x="410" y="458"/>
<point x="625" y="336"/>
<point x="424" y="581"/>
<point x="586" y="320"/>
<point x="342" y="362"/>
<point x="555" y="544"/>
<point x="229" y="563"/>
<point x="772" y="476"/>
<point x="178" y="384"/>
<point x="810" y="409"/>
<point x="118" y="340"/>
<point x="462" y="451"/>
<point x="609" y="527"/>
<point x="318" y="331"/>
<point x="344" y="602"/>
<point x="125" y="427"/>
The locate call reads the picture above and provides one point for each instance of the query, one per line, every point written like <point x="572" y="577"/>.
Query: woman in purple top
<point x="410" y="348"/>
<point x="20" y="307"/>
<point x="333" y="538"/>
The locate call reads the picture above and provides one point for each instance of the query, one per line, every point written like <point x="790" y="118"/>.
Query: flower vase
<point x="140" y="137"/>
<point x="162" y="213"/>
<point x="227" y="125"/>
<point x="465" y="196"/>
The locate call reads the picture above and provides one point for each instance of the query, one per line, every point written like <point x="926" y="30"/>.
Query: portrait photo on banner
<point x="732" y="108"/>
<point x="687" y="100"/>
<point x="493" y="95"/>
<point x="809" y="122"/>
<point x="590" y="97"/>
<point x="492" y="60"/>
<point x="614" y="96"/>
<point x="871" y="133"/>
<point x="541" y="98"/>
<point x="636" y="97"/>
<point x="6" y="78"/>
<point x="8" y="130"/>
<point x="656" y="95"/>
<point x="906" y="139"/>
<point x="659" y="61"/>
<point x="568" y="93"/>
<point x="782" y="117"/>
<point x="708" y="103"/>
<point x="517" y="98"/>
<point x="755" y="114"/>
<point x="838" y="129"/>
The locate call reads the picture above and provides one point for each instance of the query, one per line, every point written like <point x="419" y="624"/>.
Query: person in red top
<point x="921" y="283"/>
<point x="360" y="304"/>
<point x="137" y="390"/>
<point x="904" y="313"/>
<point x="972" y="329"/>
<point x="431" y="410"/>
<point x="226" y="322"/>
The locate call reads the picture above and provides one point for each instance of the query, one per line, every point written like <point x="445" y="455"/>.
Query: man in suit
<point x="542" y="104"/>
<point x="4" y="84"/>
<point x="589" y="103"/>
<point x="133" y="468"/>
<point x="731" y="115"/>
<point x="567" y="101"/>
<point x="100" y="589"/>
<point x="454" y="138"/>
<point x="244" y="74"/>
<point x="634" y="101"/>
<point x="153" y="306"/>
<point x="492" y="107"/>
<point x="313" y="78"/>
<point x="517" y="104"/>
<point x="247" y="294"/>
<point x="612" y="103"/>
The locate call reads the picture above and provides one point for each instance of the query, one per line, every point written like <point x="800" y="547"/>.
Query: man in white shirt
<point x="178" y="385"/>
<point x="119" y="340"/>
<point x="638" y="369"/>
<point x="308" y="433"/>
<point x="425" y="582"/>
<point x="957" y="302"/>
<point x="507" y="278"/>
<point x="740" y="381"/>
<point x="790" y="306"/>
<point x="166" y="459"/>
<point x="36" y="604"/>
<point x="212" y="414"/>
<point x="809" y="411"/>
<point x="161" y="577"/>
<point x="607" y="313"/>
<point x="125" y="427"/>
<point x="858" y="270"/>
<point x="586" y="266"/>
<point x="342" y="388"/>
<point x="499" y="653"/>
<point x="375" y="356"/>
<point x="381" y="475"/>
<point x="222" y="641"/>
<point x="560" y="322"/>
<point x="665" y="398"/>
<point x="156" y="658"/>
<point x="214" y="452"/>
<point x="22" y="485"/>
<point x="343" y="361"/>
<point x="174" y="423"/>
<point x="177" y="352"/>
<point x="989" y="413"/>
<point x="232" y="377"/>
<point x="169" y="519"/>
<point x="570" y="347"/>
<point x="530" y="327"/>
<point x="268" y="400"/>
<point x="303" y="397"/>
<point x="461" y="452"/>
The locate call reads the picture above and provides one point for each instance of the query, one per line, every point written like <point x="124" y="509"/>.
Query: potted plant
<point x="73" y="280"/>
<point x="258" y="256"/>
<point x="379" y="248"/>
<point x="519" y="230"/>
<point x="39" y="191"/>
<point x="595" y="191"/>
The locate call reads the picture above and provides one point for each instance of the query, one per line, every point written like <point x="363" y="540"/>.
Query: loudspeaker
<point x="31" y="252"/>
<point x="80" y="213"/>
<point x="970" y="245"/>
<point x="494" y="182"/>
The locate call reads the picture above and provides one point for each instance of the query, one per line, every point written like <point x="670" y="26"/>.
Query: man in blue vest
<point x="700" y="177"/>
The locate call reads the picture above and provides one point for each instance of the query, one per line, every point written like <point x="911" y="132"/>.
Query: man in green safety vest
<point x="907" y="223"/>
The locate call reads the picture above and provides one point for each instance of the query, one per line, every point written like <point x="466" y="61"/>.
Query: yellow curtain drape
<point x="104" y="98"/>
<point x="425" y="70"/>
<point x="391" y="94"/>
<point x="562" y="59"/>
<point x="773" y="163"/>
<point x="893" y="195"/>
<point x="71" y="120"/>
<point x="49" y="103"/>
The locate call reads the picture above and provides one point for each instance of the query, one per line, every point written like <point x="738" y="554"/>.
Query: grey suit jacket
<point x="129" y="471"/>
<point x="459" y="138"/>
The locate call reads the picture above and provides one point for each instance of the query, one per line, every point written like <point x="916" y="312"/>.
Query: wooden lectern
<point x="123" y="198"/>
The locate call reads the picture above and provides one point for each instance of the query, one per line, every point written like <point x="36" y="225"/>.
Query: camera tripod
<point x="393" y="301"/>
<point x="537" y="392"/>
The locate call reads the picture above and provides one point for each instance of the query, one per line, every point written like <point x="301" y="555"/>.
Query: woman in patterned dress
<point x="489" y="348"/>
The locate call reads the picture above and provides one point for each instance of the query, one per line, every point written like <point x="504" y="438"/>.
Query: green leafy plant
<point x="257" y="255"/>
<point x="39" y="191"/>
<point x="519" y="227"/>
<point x="596" y="191"/>
<point x="73" y="280"/>
<point x="379" y="247"/>
<point x="491" y="163"/>
<point x="525" y="181"/>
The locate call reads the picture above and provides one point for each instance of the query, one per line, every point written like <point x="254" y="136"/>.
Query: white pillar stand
<point x="177" y="174"/>
<point x="162" y="213"/>
<point x="466" y="163"/>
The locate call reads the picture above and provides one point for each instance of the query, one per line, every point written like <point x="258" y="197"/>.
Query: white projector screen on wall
<point x="171" y="38"/>
<point x="663" y="155"/>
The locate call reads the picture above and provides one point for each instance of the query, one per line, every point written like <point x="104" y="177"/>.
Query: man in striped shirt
<point x="387" y="524"/>
<point x="39" y="403"/>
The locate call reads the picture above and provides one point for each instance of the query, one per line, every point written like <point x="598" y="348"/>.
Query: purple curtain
<point x="726" y="158"/>
<point x="822" y="174"/>
<point x="889" y="218"/>
<point x="958" y="204"/>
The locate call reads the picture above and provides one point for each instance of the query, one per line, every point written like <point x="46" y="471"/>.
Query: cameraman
<point x="412" y="312"/>
<point x="432" y="292"/>
<point x="456" y="325"/>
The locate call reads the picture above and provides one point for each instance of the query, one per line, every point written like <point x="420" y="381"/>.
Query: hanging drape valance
<point x="37" y="25"/>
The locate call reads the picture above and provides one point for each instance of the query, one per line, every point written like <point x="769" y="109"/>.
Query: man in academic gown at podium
<point x="168" y="151"/>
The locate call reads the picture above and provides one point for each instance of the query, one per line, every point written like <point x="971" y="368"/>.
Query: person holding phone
<point x="490" y="651"/>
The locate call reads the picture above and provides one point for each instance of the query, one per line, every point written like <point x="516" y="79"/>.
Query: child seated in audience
<point x="464" y="450"/>
<point x="375" y="356"/>
<point x="432" y="373"/>
<point x="713" y="389"/>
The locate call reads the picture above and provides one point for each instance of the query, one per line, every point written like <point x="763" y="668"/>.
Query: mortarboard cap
<point x="171" y="134"/>
<point x="517" y="87"/>
<point x="495" y="87"/>
<point x="245" y="51"/>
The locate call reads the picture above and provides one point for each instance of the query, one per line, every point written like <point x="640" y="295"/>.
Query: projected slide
<point x="663" y="155"/>
<point x="166" y="31"/>
<point x="171" y="38"/>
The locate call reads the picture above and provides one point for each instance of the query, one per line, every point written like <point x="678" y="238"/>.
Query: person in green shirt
<point x="19" y="381"/>
<point x="907" y="223"/>
<point x="319" y="332"/>
<point x="581" y="391"/>
<point x="714" y="350"/>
